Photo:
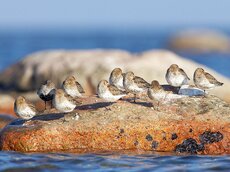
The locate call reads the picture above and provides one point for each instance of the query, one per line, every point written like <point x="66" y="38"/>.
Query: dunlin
<point x="24" y="109"/>
<point x="46" y="91"/>
<point x="64" y="102"/>
<point x="157" y="92"/>
<point x="204" y="80"/>
<point x="116" y="78"/>
<point x="72" y="87"/>
<point x="176" y="76"/>
<point x="135" y="84"/>
<point x="109" y="92"/>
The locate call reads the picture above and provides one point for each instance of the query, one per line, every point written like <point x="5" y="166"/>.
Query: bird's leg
<point x="107" y="108"/>
<point x="157" y="107"/>
<point x="178" y="89"/>
<point x="135" y="96"/>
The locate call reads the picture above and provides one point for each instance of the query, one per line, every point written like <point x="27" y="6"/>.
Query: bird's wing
<point x="183" y="72"/>
<point x="141" y="82"/>
<point x="32" y="107"/>
<point x="79" y="87"/>
<point x="115" y="91"/>
<point x="72" y="100"/>
<point x="211" y="79"/>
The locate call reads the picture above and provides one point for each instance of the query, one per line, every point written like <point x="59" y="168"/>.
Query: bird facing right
<point x="176" y="76"/>
<point x="204" y="80"/>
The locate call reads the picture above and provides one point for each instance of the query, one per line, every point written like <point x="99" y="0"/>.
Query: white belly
<point x="135" y="88"/>
<point x="64" y="106"/>
<point x="120" y="84"/>
<point x="73" y="92"/>
<point x="27" y="113"/>
<point x="206" y="84"/>
<point x="108" y="96"/>
<point x="177" y="80"/>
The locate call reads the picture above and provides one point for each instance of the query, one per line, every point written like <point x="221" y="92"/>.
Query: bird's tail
<point x="220" y="83"/>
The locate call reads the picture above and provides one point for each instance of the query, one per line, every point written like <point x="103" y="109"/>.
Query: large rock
<point x="200" y="41"/>
<point x="188" y="125"/>
<point x="93" y="65"/>
<point x="28" y="74"/>
<point x="6" y="104"/>
<point x="5" y="119"/>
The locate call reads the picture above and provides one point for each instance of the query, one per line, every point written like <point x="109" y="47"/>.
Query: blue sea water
<point x="14" y="45"/>
<point x="150" y="161"/>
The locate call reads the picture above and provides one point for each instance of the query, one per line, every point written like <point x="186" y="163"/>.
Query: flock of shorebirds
<point x="119" y="85"/>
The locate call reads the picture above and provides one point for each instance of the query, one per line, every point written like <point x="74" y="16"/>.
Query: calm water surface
<point x="12" y="162"/>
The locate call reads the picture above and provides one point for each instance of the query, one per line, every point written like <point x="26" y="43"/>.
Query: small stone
<point x="136" y="143"/>
<point x="174" y="136"/>
<point x="149" y="137"/>
<point x="209" y="137"/>
<point x="122" y="130"/>
<point x="155" y="144"/>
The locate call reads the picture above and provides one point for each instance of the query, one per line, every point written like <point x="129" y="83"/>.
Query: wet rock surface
<point x="197" y="125"/>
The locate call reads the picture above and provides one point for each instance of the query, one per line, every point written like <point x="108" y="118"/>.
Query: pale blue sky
<point x="116" y="13"/>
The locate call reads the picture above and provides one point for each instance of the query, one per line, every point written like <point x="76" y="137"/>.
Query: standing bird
<point x="24" y="109"/>
<point x="64" y="102"/>
<point x="176" y="76"/>
<point x="46" y="91"/>
<point x="72" y="87"/>
<point x="135" y="84"/>
<point x="204" y="80"/>
<point x="116" y="78"/>
<point x="109" y="92"/>
<point x="157" y="92"/>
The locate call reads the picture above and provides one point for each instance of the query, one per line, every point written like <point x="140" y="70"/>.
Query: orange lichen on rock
<point x="189" y="125"/>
